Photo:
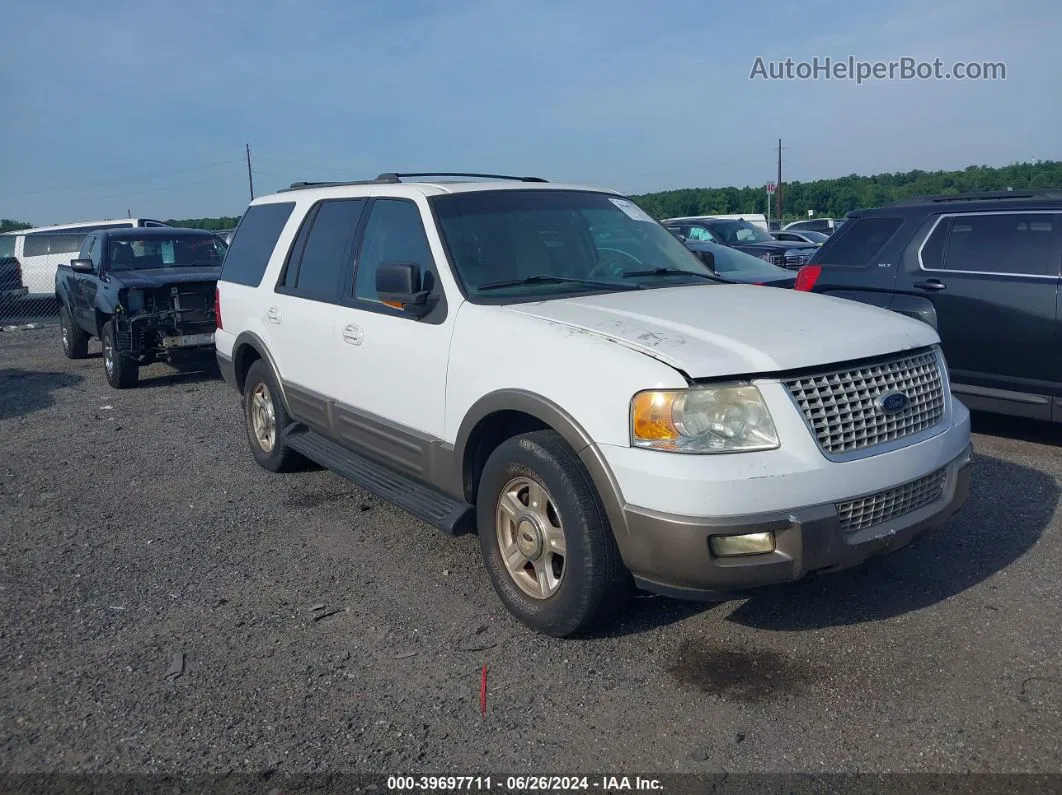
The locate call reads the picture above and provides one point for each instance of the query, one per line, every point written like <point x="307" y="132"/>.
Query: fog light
<point x="748" y="544"/>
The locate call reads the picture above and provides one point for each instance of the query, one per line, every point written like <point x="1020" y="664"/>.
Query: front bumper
<point x="670" y="554"/>
<point x="166" y="332"/>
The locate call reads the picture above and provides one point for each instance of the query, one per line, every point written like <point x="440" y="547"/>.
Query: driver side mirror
<point x="400" y="285"/>
<point x="82" y="266"/>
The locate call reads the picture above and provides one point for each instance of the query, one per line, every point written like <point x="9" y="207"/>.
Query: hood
<point x="735" y="329"/>
<point x="775" y="245"/>
<point x="161" y="277"/>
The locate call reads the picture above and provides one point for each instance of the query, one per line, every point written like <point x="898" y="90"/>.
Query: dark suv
<point x="983" y="268"/>
<point x="742" y="235"/>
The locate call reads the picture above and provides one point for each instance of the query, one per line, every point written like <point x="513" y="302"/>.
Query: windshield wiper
<point x="668" y="272"/>
<point x="545" y="278"/>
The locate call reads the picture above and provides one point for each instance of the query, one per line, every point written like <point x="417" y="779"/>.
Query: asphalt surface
<point x="315" y="628"/>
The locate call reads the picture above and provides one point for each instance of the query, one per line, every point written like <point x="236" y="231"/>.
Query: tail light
<point x="806" y="277"/>
<point x="217" y="306"/>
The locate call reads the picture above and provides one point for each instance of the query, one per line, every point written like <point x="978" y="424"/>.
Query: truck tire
<point x="122" y="371"/>
<point x="75" y="340"/>
<point x="265" y="419"/>
<point x="546" y="539"/>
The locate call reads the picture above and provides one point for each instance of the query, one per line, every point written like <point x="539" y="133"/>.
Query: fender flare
<point x="249" y="340"/>
<point x="557" y="418"/>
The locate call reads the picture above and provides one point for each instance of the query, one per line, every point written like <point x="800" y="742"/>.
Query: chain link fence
<point x="28" y="264"/>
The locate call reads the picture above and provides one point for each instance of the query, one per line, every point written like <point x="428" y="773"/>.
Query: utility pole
<point x="250" y="179"/>
<point x="778" y="186"/>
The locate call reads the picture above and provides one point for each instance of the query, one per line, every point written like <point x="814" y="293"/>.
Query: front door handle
<point x="353" y="334"/>
<point x="273" y="314"/>
<point x="931" y="284"/>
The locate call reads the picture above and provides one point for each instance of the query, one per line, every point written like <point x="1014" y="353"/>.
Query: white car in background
<point x="41" y="250"/>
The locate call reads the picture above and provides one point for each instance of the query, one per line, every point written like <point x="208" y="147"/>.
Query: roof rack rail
<point x="309" y="185"/>
<point x="391" y="178"/>
<point x="395" y="177"/>
<point x="976" y="196"/>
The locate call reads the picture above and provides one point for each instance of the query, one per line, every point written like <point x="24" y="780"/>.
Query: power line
<point x="125" y="180"/>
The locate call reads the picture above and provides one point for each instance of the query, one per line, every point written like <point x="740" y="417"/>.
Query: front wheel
<point x="546" y="539"/>
<point x="122" y="371"/>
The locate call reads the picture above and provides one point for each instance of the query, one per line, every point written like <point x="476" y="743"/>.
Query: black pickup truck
<point x="146" y="294"/>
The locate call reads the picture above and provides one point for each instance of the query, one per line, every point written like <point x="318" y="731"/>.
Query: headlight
<point x="725" y="419"/>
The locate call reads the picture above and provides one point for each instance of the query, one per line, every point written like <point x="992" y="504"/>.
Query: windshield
<point x="7" y="246"/>
<point x="730" y="263"/>
<point x="585" y="241"/>
<point x="815" y="237"/>
<point x="174" y="251"/>
<point x="731" y="232"/>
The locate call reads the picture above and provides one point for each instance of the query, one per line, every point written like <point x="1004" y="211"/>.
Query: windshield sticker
<point x="632" y="210"/>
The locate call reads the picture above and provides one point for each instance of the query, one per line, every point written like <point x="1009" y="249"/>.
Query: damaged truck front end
<point x="175" y="322"/>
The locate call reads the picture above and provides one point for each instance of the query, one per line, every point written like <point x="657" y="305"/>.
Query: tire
<point x="260" y="392"/>
<point x="75" y="340"/>
<point x="593" y="586"/>
<point x="122" y="371"/>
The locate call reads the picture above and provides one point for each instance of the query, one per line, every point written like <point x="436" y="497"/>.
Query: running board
<point x="448" y="514"/>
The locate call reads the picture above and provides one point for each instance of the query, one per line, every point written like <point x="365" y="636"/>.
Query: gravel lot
<point x="135" y="528"/>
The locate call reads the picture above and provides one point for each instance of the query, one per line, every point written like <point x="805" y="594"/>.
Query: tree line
<point x="826" y="197"/>
<point x="834" y="198"/>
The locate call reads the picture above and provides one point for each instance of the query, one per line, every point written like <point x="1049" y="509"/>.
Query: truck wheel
<point x="122" y="372"/>
<point x="546" y="539"/>
<point x="75" y="340"/>
<point x="266" y="418"/>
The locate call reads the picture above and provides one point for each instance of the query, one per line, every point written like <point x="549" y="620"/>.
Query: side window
<point x="291" y="264"/>
<point x="96" y="252"/>
<point x="394" y="233"/>
<point x="250" y="250"/>
<point x="36" y="245"/>
<point x="86" y="248"/>
<point x="859" y="243"/>
<point x="1019" y="243"/>
<point x="700" y="233"/>
<point x="932" y="255"/>
<point x="327" y="249"/>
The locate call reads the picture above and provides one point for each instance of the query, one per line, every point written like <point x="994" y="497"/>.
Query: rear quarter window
<point x="252" y="245"/>
<point x="858" y="242"/>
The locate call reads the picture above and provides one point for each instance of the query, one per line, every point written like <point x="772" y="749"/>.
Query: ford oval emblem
<point x="892" y="402"/>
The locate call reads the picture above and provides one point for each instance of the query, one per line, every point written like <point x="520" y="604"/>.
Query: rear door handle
<point x="930" y="284"/>
<point x="273" y="314"/>
<point x="353" y="334"/>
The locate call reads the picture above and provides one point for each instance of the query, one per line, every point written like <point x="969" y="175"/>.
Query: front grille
<point x="774" y="259"/>
<point x="796" y="260"/>
<point x="841" y="406"/>
<point x="869" y="511"/>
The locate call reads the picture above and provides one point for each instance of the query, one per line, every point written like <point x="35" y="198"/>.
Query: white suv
<point x="548" y="366"/>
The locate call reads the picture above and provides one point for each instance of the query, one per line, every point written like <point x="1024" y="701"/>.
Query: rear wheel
<point x="265" y="419"/>
<point x="122" y="371"/>
<point x="75" y="340"/>
<point x="546" y="539"/>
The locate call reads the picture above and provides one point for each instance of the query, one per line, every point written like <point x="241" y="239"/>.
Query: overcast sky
<point x="146" y="106"/>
